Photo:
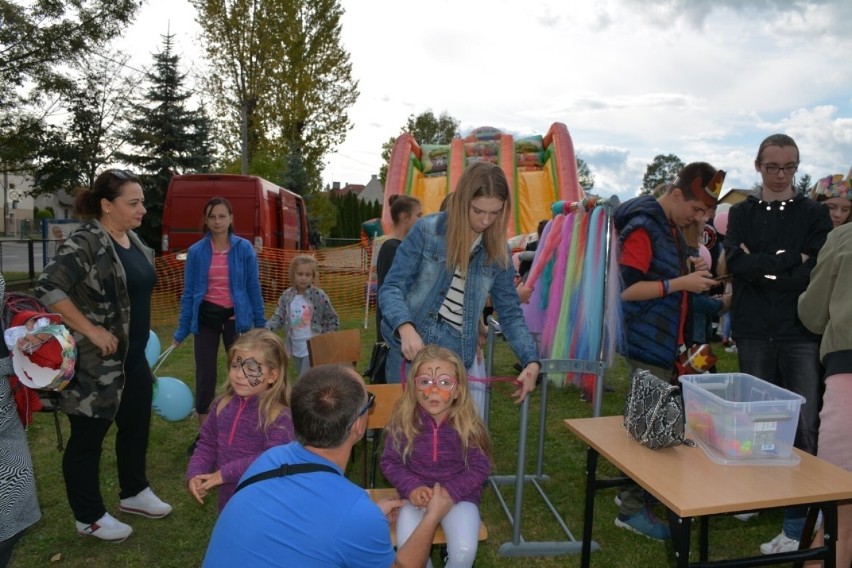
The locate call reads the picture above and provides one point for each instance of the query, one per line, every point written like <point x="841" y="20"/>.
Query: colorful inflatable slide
<point x="540" y="170"/>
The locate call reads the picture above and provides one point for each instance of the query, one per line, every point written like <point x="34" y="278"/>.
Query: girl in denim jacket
<point x="445" y="270"/>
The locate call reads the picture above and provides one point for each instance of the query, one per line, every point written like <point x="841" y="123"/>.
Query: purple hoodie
<point x="232" y="439"/>
<point x="436" y="457"/>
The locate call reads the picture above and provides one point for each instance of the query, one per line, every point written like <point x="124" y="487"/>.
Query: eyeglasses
<point x="772" y="169"/>
<point x="371" y="401"/>
<point x="442" y="382"/>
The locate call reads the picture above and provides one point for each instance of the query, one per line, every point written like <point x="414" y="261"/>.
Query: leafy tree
<point x="804" y="185"/>
<point x="168" y="137"/>
<point x="278" y="70"/>
<point x="585" y="175"/>
<point x="662" y="169"/>
<point x="97" y="101"/>
<point x="426" y="129"/>
<point x="297" y="178"/>
<point x="351" y="212"/>
<point x="322" y="214"/>
<point x="37" y="38"/>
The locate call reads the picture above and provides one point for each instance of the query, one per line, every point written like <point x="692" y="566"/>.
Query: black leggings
<point x="7" y="546"/>
<point x="206" y="361"/>
<point x="82" y="458"/>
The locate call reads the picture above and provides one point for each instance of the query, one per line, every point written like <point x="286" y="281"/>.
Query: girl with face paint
<point x="252" y="416"/>
<point x="435" y="435"/>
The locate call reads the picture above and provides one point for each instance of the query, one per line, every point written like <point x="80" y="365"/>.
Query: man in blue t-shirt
<point x="318" y="518"/>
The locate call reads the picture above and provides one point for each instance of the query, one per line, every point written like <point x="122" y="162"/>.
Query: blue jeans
<point x="793" y="365"/>
<point x="725" y="322"/>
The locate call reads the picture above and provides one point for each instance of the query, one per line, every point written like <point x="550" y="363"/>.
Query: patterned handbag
<point x="654" y="415"/>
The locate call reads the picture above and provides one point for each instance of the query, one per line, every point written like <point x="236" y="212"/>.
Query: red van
<point x="264" y="213"/>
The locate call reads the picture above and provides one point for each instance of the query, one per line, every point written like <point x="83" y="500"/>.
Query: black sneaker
<point x="191" y="449"/>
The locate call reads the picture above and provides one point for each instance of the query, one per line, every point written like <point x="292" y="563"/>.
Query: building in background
<point x="19" y="205"/>
<point x="734" y="196"/>
<point x="373" y="191"/>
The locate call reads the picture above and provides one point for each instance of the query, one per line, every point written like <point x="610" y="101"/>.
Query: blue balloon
<point x="152" y="348"/>
<point x="173" y="400"/>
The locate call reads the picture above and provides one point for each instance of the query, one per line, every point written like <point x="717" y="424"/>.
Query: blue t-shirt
<point x="316" y="519"/>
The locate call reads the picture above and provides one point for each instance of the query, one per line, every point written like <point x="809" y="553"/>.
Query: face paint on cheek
<point x="445" y="395"/>
<point x="252" y="370"/>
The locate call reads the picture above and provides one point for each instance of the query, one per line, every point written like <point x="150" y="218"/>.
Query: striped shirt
<point x="452" y="310"/>
<point x="218" y="284"/>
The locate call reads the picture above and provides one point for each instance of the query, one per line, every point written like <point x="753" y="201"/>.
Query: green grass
<point x="181" y="539"/>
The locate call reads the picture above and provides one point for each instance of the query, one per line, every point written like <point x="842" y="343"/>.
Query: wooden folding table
<point x="690" y="485"/>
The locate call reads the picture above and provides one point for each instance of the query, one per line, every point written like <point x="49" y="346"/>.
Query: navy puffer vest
<point x="652" y="326"/>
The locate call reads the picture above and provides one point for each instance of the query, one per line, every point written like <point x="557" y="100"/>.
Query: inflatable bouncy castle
<point x="540" y="169"/>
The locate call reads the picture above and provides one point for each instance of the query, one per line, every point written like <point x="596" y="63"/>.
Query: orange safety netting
<point x="343" y="274"/>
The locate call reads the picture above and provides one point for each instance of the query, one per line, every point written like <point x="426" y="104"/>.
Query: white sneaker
<point x="780" y="543"/>
<point x="745" y="516"/>
<point x="106" y="528"/>
<point x="146" y="504"/>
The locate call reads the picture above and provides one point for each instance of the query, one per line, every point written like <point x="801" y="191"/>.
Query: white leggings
<point x="461" y="525"/>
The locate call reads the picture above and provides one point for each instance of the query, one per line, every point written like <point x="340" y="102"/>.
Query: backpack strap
<point x="285" y="470"/>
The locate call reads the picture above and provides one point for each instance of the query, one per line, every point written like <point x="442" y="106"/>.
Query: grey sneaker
<point x="645" y="523"/>
<point x="146" y="504"/>
<point x="106" y="528"/>
<point x="781" y="543"/>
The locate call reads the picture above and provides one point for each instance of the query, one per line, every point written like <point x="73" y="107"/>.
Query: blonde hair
<point x="277" y="396"/>
<point x="462" y="416"/>
<point x="299" y="260"/>
<point x="480" y="179"/>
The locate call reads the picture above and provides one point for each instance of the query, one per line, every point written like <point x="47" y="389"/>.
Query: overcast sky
<point x="631" y="79"/>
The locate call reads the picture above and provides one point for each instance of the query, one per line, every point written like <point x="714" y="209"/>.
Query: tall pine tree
<point x="168" y="136"/>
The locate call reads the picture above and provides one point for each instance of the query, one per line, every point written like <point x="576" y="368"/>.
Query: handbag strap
<point x="285" y="470"/>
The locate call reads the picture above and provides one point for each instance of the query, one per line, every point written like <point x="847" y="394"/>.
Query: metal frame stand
<point x="519" y="546"/>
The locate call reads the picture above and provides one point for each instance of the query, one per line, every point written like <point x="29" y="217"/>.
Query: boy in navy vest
<point x="657" y="273"/>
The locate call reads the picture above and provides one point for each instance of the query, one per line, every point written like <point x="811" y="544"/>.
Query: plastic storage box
<point x="738" y="419"/>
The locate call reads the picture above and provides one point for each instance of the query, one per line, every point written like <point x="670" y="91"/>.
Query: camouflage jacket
<point x="87" y="271"/>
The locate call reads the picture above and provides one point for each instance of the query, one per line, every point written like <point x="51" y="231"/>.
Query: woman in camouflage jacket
<point x="101" y="282"/>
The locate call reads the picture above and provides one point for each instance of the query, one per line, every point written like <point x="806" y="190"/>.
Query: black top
<point x="383" y="266"/>
<point x="141" y="278"/>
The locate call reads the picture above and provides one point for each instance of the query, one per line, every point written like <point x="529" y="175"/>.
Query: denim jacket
<point x="244" y="282"/>
<point x="417" y="284"/>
